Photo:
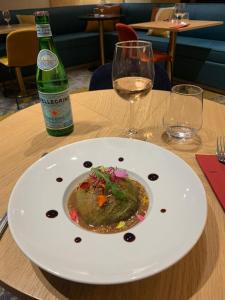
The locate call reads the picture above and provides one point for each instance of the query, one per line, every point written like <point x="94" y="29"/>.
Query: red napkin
<point x="180" y="25"/>
<point x="215" y="173"/>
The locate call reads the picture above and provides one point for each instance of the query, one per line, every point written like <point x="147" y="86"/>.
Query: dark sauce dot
<point x="59" y="179"/>
<point x="163" y="210"/>
<point x="77" y="240"/>
<point x="129" y="237"/>
<point x="120" y="159"/>
<point x="51" y="213"/>
<point x="153" y="177"/>
<point x="87" y="164"/>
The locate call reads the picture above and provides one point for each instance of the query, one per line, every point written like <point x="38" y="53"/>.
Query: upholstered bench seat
<point x="79" y="42"/>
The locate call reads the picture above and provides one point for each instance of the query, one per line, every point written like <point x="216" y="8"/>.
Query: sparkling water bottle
<point x="52" y="82"/>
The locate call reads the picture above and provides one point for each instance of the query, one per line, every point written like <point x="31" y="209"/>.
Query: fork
<point x="220" y="148"/>
<point x="3" y="224"/>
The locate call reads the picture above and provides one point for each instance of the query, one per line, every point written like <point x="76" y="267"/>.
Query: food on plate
<point x="108" y="200"/>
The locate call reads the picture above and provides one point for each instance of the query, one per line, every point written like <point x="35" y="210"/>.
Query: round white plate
<point x="173" y="224"/>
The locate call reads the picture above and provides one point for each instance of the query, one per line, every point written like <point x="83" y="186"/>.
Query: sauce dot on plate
<point x="51" y="213"/>
<point x="77" y="239"/>
<point x="129" y="237"/>
<point x="120" y="159"/>
<point x="153" y="176"/>
<point x="163" y="210"/>
<point x="87" y="164"/>
<point x="59" y="179"/>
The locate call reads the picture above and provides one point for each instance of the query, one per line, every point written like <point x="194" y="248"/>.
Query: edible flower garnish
<point x="85" y="185"/>
<point x="101" y="199"/>
<point x="121" y="224"/>
<point x="74" y="215"/>
<point x="110" y="178"/>
<point x="121" y="173"/>
<point x="140" y="217"/>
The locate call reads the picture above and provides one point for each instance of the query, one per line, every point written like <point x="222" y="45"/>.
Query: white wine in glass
<point x="6" y="16"/>
<point x="133" y="75"/>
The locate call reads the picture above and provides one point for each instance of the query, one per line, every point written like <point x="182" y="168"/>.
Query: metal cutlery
<point x="220" y="149"/>
<point x="3" y="224"/>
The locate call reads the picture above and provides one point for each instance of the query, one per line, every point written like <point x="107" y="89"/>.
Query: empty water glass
<point x="183" y="118"/>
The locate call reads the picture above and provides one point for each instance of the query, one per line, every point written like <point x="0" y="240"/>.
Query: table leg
<point x="171" y="51"/>
<point x="101" y="39"/>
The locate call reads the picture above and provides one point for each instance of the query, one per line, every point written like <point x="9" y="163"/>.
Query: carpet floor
<point x="79" y="79"/>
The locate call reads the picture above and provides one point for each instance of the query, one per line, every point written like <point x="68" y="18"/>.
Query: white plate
<point x="161" y="239"/>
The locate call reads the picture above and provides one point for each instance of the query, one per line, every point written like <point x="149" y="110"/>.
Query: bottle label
<point x="43" y="30"/>
<point x="47" y="60"/>
<point x="56" y="109"/>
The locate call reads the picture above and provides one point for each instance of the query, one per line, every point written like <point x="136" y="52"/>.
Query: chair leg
<point x="169" y="69"/>
<point x="20" y="81"/>
<point x="17" y="103"/>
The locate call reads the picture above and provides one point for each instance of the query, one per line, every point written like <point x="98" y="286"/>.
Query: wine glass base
<point x="134" y="134"/>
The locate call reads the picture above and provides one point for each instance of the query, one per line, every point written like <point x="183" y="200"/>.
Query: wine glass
<point x="180" y="11"/>
<point x="133" y="75"/>
<point x="6" y="16"/>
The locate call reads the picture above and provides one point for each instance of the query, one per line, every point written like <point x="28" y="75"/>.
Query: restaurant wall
<point x="80" y="2"/>
<point x="20" y="4"/>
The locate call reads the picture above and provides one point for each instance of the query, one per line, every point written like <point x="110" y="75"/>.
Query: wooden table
<point x="5" y="29"/>
<point x="165" y="25"/>
<point x="200" y="275"/>
<point x="100" y="19"/>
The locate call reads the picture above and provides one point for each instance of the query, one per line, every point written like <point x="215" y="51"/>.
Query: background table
<point x="169" y="26"/>
<point x="100" y="19"/>
<point x="5" y="29"/>
<point x="199" y="275"/>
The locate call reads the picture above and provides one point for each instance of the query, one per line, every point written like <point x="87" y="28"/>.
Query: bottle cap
<point x="41" y="13"/>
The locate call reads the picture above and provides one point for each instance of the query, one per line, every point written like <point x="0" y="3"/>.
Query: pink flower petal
<point x="140" y="217"/>
<point x="121" y="173"/>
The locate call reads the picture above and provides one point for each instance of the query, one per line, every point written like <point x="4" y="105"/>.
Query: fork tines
<point x="220" y="148"/>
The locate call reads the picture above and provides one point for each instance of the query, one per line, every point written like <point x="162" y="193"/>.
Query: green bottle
<point x="52" y="82"/>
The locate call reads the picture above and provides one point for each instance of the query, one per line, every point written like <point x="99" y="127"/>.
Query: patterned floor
<point x="79" y="79"/>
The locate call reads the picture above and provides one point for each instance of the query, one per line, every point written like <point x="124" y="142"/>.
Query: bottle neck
<point x="43" y="26"/>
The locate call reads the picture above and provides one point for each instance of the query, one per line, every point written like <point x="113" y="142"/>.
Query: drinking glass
<point x="133" y="75"/>
<point x="183" y="118"/>
<point x="6" y="16"/>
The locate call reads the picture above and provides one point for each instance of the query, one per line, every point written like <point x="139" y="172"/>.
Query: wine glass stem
<point x="131" y="130"/>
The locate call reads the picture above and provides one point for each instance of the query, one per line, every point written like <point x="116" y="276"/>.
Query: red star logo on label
<point x="54" y="113"/>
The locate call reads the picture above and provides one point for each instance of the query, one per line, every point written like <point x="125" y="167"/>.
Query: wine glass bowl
<point x="133" y="75"/>
<point x="179" y="11"/>
<point x="6" y="16"/>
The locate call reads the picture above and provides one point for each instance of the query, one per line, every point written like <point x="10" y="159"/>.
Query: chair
<point x="102" y="78"/>
<point x="21" y="51"/>
<point x="126" y="33"/>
